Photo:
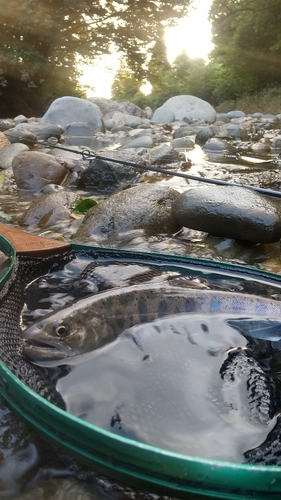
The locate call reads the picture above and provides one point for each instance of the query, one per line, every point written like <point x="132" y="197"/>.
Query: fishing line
<point x="89" y="155"/>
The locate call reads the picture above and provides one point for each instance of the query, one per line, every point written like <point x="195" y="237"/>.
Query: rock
<point x="163" y="115"/>
<point x="66" y="110"/>
<point x="109" y="107"/>
<point x="34" y="170"/>
<point x="276" y="143"/>
<point x="124" y="119"/>
<point x="148" y="112"/>
<point x="50" y="131"/>
<point x="33" y="131"/>
<point x="164" y="154"/>
<point x="204" y="135"/>
<point x="235" y="114"/>
<point x="182" y="143"/>
<point x="222" y="117"/>
<point x="234" y="131"/>
<point x="109" y="124"/>
<point x="20" y="119"/>
<point x="256" y="115"/>
<point x="188" y="107"/>
<point x="105" y="177"/>
<point x="215" y="145"/>
<point x="144" y="206"/>
<point x="3" y="140"/>
<point x="8" y="153"/>
<point x="18" y="134"/>
<point x="48" y="211"/>
<point x="233" y="212"/>
<point x="6" y="123"/>
<point x="263" y="146"/>
<point x="145" y="141"/>
<point x="183" y="131"/>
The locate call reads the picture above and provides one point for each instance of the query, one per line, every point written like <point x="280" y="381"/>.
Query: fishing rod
<point x="90" y="155"/>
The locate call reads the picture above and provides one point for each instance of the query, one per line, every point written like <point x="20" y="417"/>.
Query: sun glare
<point x="192" y="34"/>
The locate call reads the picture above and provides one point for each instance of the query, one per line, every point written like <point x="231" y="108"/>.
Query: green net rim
<point x="131" y="461"/>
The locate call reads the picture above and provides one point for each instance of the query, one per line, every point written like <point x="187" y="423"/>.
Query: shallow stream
<point x="23" y="456"/>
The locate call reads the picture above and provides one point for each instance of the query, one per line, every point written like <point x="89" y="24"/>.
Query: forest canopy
<point x="40" y="41"/>
<point x="246" y="58"/>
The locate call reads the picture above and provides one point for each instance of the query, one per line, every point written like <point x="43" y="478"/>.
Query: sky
<point x="192" y="34"/>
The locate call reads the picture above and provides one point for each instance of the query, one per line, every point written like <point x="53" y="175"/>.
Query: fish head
<point x="56" y="338"/>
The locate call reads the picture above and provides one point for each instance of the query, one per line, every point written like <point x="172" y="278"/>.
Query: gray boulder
<point x="233" y="212"/>
<point x="190" y="108"/>
<point x="34" y="170"/>
<point x="144" y="206"/>
<point x="66" y="110"/>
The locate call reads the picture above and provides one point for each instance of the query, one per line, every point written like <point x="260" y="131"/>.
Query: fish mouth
<point x="38" y="351"/>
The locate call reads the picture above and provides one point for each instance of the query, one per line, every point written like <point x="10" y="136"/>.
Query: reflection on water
<point x="163" y="387"/>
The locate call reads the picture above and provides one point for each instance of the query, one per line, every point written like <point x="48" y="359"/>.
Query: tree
<point x="247" y="41"/>
<point x="41" y="40"/>
<point x="125" y="85"/>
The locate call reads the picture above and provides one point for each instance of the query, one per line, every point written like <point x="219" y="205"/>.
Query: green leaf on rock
<point x="81" y="207"/>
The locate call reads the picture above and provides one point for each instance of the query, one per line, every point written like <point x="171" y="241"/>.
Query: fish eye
<point x="61" y="328"/>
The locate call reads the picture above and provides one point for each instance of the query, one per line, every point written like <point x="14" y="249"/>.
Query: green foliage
<point x="125" y="84"/>
<point x="184" y="76"/>
<point x="41" y="40"/>
<point x="82" y="206"/>
<point x="247" y="42"/>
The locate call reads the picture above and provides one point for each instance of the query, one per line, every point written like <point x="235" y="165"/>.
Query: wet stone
<point x="34" y="170"/>
<point x="144" y="206"/>
<point x="229" y="211"/>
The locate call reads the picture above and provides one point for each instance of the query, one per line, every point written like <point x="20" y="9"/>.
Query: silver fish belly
<point x="96" y="320"/>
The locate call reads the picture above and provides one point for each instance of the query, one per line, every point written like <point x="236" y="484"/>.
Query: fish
<point x="265" y="329"/>
<point x="91" y="322"/>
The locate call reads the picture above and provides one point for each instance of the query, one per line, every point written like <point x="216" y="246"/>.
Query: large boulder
<point x="66" y="110"/>
<point x="144" y="206"/>
<point x="230" y="211"/>
<point x="189" y="108"/>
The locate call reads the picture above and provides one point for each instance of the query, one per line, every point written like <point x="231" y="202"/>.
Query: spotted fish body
<point x="112" y="311"/>
<point x="96" y="320"/>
